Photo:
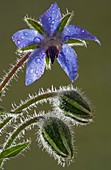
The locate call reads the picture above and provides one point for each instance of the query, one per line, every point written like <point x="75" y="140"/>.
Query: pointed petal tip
<point x="73" y="76"/>
<point x="97" y="40"/>
<point x="55" y="3"/>
<point x="51" y="19"/>
<point x="28" y="82"/>
<point x="76" y="32"/>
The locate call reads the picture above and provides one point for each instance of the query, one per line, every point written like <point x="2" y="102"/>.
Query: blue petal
<point x="27" y="37"/>
<point x="51" y="19"/>
<point x="68" y="61"/>
<point x="76" y="32"/>
<point x="35" y="66"/>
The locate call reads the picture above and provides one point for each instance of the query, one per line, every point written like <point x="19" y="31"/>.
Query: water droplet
<point x="18" y="42"/>
<point x="67" y="37"/>
<point x="49" y="18"/>
<point x="37" y="60"/>
<point x="53" y="22"/>
<point x="60" y="55"/>
<point x="43" y="53"/>
<point x="82" y="30"/>
<point x="30" y="71"/>
<point x="36" y="71"/>
<point x="37" y="40"/>
<point x="25" y="33"/>
<point x="66" y="50"/>
<point x="22" y="37"/>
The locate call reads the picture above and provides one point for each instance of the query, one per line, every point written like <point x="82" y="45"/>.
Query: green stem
<point x="1" y="161"/>
<point x="5" y="121"/>
<point x="10" y="74"/>
<point x="34" y="100"/>
<point x="19" y="129"/>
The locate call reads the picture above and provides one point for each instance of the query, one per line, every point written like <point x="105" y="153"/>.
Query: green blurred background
<point x="92" y="142"/>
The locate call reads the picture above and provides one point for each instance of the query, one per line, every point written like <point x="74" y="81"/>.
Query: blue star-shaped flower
<point x="48" y="39"/>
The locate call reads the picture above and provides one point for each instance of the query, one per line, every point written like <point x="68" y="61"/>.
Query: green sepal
<point x="13" y="151"/>
<point x="65" y="20"/>
<point x="58" y="136"/>
<point x="27" y="48"/>
<point x="48" y="62"/>
<point x="76" y="42"/>
<point x="34" y="24"/>
<point x="75" y="106"/>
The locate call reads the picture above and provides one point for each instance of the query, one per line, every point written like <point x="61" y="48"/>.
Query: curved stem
<point x="19" y="129"/>
<point x="34" y="100"/>
<point x="4" y="122"/>
<point x="10" y="74"/>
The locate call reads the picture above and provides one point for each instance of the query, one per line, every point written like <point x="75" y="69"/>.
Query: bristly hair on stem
<point x="12" y="73"/>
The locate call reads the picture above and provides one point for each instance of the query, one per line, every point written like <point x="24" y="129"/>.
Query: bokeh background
<point x="93" y="142"/>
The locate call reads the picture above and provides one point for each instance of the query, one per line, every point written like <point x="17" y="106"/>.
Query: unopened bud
<point x="75" y="106"/>
<point x="56" y="138"/>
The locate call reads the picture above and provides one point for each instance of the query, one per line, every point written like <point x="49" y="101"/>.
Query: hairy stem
<point x="5" y="121"/>
<point x="10" y="74"/>
<point x="36" y="99"/>
<point x="19" y="129"/>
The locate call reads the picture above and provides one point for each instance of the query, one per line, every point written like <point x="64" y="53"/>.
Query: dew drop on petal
<point x="25" y="33"/>
<point x="52" y="22"/>
<point x="60" y="55"/>
<point x="18" y="42"/>
<point x="32" y="57"/>
<point x="67" y="37"/>
<point x="37" y="60"/>
<point x="49" y="18"/>
<point x="36" y="71"/>
<point x="37" y="40"/>
<point x="31" y="71"/>
<point x="65" y="50"/>
<point x="43" y="53"/>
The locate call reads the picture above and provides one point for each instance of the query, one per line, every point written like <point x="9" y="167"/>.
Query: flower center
<point x="53" y="47"/>
<point x="52" y="52"/>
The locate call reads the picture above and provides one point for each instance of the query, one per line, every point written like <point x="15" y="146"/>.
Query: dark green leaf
<point x="34" y="24"/>
<point x="64" y="22"/>
<point x="13" y="151"/>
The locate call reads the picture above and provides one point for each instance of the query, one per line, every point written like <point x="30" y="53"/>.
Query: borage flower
<point x="48" y="39"/>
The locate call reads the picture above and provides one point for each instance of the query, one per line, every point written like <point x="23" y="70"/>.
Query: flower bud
<point x="56" y="138"/>
<point x="75" y="107"/>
